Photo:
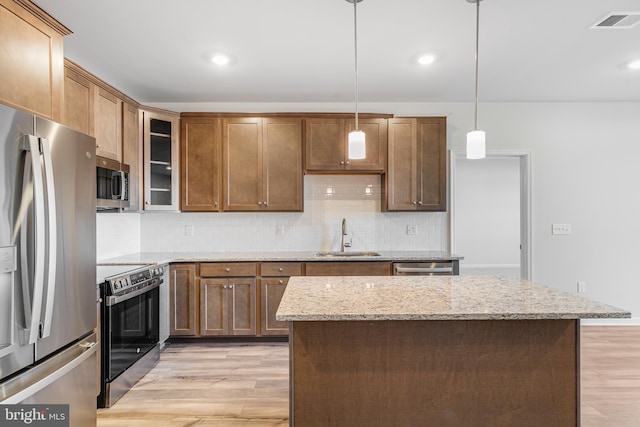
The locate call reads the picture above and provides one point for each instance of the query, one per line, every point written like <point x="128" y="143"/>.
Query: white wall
<point x="584" y="172"/>
<point x="487" y="204"/>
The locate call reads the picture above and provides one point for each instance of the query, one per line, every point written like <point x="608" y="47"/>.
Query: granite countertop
<point x="302" y="256"/>
<point x="432" y="298"/>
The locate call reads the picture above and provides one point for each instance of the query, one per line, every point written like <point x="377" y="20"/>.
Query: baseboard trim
<point x="634" y="321"/>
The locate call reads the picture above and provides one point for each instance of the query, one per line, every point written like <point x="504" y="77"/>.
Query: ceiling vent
<point x="618" y="21"/>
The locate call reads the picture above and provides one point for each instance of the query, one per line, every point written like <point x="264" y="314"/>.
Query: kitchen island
<point x="434" y="351"/>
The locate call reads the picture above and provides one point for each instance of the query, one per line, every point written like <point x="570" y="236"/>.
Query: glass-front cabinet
<point x="160" y="160"/>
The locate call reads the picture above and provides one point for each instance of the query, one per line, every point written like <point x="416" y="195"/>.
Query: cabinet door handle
<point x="414" y="203"/>
<point x="264" y="204"/>
<point x="281" y="282"/>
<point x="224" y="286"/>
<point x="215" y="204"/>
<point x="420" y="203"/>
<point x="348" y="163"/>
<point x="342" y="163"/>
<point x="259" y="203"/>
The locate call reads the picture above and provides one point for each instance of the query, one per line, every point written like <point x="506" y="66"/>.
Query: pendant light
<point x="476" y="147"/>
<point x="357" y="147"/>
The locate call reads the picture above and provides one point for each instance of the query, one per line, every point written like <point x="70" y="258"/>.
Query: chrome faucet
<point x="343" y="243"/>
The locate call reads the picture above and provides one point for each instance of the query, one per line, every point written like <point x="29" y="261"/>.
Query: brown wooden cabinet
<point x="273" y="282"/>
<point x="107" y="112"/>
<point x="78" y="101"/>
<point x="182" y="300"/>
<point x="326" y="145"/>
<point x="348" y="268"/>
<point x="416" y="173"/>
<point x="262" y="164"/>
<point x="132" y="153"/>
<point x="31" y="59"/>
<point x="200" y="172"/>
<point x="228" y="303"/>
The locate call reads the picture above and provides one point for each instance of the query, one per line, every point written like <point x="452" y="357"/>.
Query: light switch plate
<point x="561" y="229"/>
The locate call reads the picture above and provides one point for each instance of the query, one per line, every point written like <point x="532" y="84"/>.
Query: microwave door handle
<point x="122" y="185"/>
<point x="33" y="304"/>
<point x="52" y="237"/>
<point x="114" y="185"/>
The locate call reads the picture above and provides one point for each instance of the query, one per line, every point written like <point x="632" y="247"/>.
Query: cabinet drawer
<point x="348" y="268"/>
<point x="228" y="269"/>
<point x="279" y="269"/>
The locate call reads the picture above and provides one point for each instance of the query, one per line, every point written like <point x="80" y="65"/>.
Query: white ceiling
<point x="302" y="50"/>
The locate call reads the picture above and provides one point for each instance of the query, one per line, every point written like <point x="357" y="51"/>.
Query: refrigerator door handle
<point x="51" y="234"/>
<point x="33" y="303"/>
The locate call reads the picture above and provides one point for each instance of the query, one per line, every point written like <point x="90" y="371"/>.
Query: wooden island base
<point x="435" y="373"/>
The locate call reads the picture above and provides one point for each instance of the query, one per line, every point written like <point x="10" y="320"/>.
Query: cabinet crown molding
<point x="44" y="16"/>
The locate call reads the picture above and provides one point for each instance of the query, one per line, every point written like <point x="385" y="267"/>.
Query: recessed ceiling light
<point x="220" y="60"/>
<point x="634" y="65"/>
<point x="426" y="59"/>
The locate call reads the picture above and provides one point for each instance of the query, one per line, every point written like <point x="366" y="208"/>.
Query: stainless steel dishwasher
<point x="437" y="268"/>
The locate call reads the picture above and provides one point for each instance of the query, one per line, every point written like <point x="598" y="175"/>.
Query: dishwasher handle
<point x="424" y="270"/>
<point x="430" y="269"/>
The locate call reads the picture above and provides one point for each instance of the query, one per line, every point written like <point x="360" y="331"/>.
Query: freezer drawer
<point x="66" y="378"/>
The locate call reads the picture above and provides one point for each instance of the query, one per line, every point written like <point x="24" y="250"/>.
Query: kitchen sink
<point x="346" y="254"/>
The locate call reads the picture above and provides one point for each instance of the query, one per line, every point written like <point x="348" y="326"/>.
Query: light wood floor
<point x="207" y="384"/>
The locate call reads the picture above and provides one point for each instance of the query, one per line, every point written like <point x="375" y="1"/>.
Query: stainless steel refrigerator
<point x="47" y="265"/>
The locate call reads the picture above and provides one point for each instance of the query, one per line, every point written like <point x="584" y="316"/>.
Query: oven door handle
<point x="113" y="300"/>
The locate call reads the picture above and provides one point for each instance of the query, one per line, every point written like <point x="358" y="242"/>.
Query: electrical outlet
<point x="561" y="229"/>
<point x="279" y="230"/>
<point x="582" y="287"/>
<point x="188" y="230"/>
<point x="412" y="230"/>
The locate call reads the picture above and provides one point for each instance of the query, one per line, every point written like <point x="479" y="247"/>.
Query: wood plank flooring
<point x="246" y="385"/>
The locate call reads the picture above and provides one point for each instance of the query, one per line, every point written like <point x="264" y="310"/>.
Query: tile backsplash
<point x="327" y="199"/>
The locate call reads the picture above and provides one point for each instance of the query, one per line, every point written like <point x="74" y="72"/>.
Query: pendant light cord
<point x="355" y="31"/>
<point x="475" y="125"/>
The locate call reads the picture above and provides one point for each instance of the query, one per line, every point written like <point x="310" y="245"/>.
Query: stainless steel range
<point x="129" y="318"/>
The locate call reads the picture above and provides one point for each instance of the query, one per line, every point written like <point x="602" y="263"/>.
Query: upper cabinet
<point x="31" y="59"/>
<point x="132" y="153"/>
<point x="416" y="173"/>
<point x="160" y="137"/>
<point x="200" y="161"/>
<point x="78" y="101"/>
<point x="107" y="112"/>
<point x="326" y="145"/>
<point x="262" y="164"/>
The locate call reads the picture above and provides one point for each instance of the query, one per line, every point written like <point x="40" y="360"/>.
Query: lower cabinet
<point x="182" y="299"/>
<point x="228" y="306"/>
<point x="273" y="282"/>
<point x="351" y="268"/>
<point x="242" y="298"/>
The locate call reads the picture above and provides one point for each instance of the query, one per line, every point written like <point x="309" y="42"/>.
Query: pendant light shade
<point x="476" y="147"/>
<point x="357" y="146"/>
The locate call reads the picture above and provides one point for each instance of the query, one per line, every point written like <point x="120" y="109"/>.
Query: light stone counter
<point x="432" y="298"/>
<point x="300" y="256"/>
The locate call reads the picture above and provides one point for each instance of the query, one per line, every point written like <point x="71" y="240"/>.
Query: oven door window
<point x="133" y="331"/>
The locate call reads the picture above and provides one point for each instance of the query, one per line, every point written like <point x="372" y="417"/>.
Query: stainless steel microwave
<point x="112" y="184"/>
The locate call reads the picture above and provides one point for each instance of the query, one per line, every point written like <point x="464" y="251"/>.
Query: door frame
<point x="526" y="259"/>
